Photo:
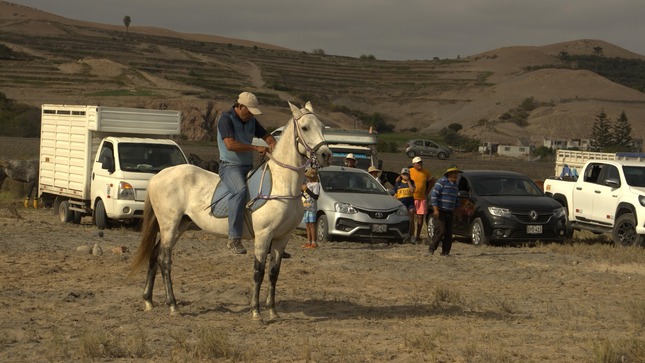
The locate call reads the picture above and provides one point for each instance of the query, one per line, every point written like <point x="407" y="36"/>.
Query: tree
<point x="601" y="133"/>
<point x="127" y="21"/>
<point x="622" y="132"/>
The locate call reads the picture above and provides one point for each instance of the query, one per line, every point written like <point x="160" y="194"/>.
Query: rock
<point x="120" y="249"/>
<point x="97" y="250"/>
<point x="84" y="249"/>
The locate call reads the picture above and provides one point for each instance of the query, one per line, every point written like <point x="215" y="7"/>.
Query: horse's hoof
<point x="257" y="316"/>
<point x="273" y="315"/>
<point x="174" y="311"/>
<point x="149" y="305"/>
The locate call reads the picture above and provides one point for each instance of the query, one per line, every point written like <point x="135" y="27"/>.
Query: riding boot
<point x="235" y="245"/>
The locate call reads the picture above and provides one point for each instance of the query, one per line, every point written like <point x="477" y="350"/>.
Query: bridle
<point x="312" y="159"/>
<point x="310" y="155"/>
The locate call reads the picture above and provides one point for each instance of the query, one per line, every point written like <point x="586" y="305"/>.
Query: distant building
<point x="583" y="144"/>
<point x="514" y="151"/>
<point x="578" y="144"/>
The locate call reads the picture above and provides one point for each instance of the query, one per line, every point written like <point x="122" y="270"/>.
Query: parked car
<point x="504" y="206"/>
<point x="353" y="205"/>
<point x="426" y="147"/>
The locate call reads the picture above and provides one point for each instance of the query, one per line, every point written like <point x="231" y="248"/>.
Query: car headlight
<point x="499" y="212"/>
<point x="344" y="208"/>
<point x="126" y="191"/>
<point x="402" y="211"/>
<point x="641" y="199"/>
<point x="560" y="212"/>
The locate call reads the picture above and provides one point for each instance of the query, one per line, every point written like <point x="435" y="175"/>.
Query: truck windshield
<point x="634" y="175"/>
<point x="149" y="158"/>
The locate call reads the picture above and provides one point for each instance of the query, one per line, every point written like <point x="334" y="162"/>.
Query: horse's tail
<point x="149" y="231"/>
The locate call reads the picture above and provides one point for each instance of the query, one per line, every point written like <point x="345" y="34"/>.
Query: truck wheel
<point x="322" y="229"/>
<point x="64" y="214"/>
<point x="478" y="233"/>
<point x="411" y="154"/>
<point x="624" y="232"/>
<point x="77" y="217"/>
<point x="442" y="156"/>
<point x="55" y="206"/>
<point x="100" y="217"/>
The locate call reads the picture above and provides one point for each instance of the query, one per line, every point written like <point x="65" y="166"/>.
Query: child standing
<point x="404" y="189"/>
<point x="310" y="193"/>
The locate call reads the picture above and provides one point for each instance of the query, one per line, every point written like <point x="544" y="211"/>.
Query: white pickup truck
<point x="608" y="196"/>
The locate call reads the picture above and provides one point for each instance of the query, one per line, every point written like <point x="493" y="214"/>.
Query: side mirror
<point x="108" y="164"/>
<point x="614" y="183"/>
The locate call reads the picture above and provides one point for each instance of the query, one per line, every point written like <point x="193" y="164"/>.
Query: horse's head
<point x="309" y="134"/>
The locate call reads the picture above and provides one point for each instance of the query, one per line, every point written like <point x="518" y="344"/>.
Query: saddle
<point x="254" y="200"/>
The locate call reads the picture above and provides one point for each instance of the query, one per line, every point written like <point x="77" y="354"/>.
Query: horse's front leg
<point x="258" y="276"/>
<point x="153" y="265"/>
<point x="274" y="271"/>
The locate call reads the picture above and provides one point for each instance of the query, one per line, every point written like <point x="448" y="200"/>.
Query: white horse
<point x="181" y="195"/>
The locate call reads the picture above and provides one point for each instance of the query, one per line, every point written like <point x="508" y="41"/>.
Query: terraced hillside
<point x="51" y="59"/>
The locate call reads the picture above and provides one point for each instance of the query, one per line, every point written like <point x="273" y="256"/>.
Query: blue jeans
<point x="234" y="177"/>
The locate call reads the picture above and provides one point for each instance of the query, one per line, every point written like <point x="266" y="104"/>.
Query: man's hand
<point x="262" y="150"/>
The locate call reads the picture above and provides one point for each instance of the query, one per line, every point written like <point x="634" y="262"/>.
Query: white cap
<point x="417" y="159"/>
<point x="373" y="168"/>
<point x="350" y="156"/>
<point x="249" y="100"/>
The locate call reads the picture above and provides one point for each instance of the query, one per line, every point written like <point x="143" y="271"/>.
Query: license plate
<point x="532" y="229"/>
<point x="379" y="228"/>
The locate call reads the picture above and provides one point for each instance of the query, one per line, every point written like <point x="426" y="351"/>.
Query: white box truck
<point x="97" y="160"/>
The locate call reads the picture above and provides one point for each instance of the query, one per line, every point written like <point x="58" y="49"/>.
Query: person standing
<point x="235" y="131"/>
<point x="422" y="180"/>
<point x="403" y="191"/>
<point x="444" y="199"/>
<point x="375" y="172"/>
<point x="350" y="160"/>
<point x="310" y="193"/>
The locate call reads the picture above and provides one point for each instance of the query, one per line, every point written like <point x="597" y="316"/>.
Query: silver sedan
<point x="354" y="205"/>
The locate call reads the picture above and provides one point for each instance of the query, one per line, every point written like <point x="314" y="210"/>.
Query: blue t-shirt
<point x="229" y="125"/>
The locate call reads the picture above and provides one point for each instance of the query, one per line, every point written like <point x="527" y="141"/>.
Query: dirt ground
<point x="343" y="302"/>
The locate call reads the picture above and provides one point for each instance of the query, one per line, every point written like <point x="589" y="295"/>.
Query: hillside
<point x="53" y="59"/>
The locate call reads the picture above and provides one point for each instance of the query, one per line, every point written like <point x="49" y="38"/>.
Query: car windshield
<point x="142" y="157"/>
<point x="634" y="175"/>
<point x="507" y="186"/>
<point x="349" y="182"/>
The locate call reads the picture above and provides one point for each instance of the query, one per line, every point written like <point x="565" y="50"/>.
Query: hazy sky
<point x="387" y="29"/>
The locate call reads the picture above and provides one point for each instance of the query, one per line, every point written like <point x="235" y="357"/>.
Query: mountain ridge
<point x="74" y="61"/>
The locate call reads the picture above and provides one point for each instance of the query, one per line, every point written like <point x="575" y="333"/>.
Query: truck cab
<point x="121" y="171"/>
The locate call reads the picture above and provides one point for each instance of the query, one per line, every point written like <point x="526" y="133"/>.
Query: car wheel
<point x="442" y="156"/>
<point x="322" y="229"/>
<point x="624" y="233"/>
<point x="100" y="217"/>
<point x="478" y="233"/>
<point x="411" y="153"/>
<point x="430" y="226"/>
<point x="64" y="214"/>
